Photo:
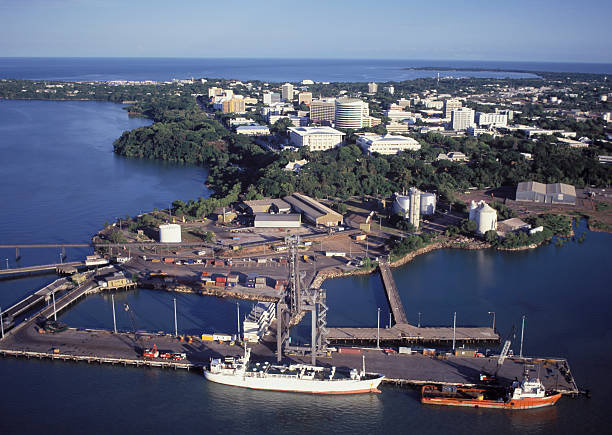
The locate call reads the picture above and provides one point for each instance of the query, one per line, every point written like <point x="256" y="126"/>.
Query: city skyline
<point x="543" y="31"/>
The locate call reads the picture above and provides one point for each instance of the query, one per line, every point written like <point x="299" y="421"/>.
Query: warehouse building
<point x="265" y="220"/>
<point x="313" y="211"/>
<point x="557" y="193"/>
<point x="267" y="205"/>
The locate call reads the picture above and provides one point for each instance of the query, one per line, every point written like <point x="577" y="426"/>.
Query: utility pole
<point x="378" y="331"/>
<point x="238" y="319"/>
<point x="7" y="265"/>
<point x="454" y="328"/>
<point x="493" y="312"/>
<point x="419" y="324"/>
<point x="389" y="319"/>
<point x="522" y="334"/>
<point x="54" y="311"/>
<point x="114" y="318"/>
<point x="175" y="325"/>
<point x="1" y="323"/>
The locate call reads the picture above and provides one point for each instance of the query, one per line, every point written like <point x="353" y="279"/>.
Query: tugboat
<point x="298" y="378"/>
<point x="527" y="394"/>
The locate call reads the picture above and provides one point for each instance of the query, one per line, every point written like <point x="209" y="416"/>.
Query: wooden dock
<point x="395" y="302"/>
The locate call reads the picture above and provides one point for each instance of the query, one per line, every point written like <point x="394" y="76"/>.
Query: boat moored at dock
<point x="527" y="394"/>
<point x="298" y="378"/>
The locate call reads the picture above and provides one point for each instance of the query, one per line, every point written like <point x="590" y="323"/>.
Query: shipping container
<point x="204" y="273"/>
<point x="260" y="280"/>
<point x="465" y="352"/>
<point x="168" y="260"/>
<point x="349" y="350"/>
<point x="429" y="352"/>
<point x="207" y="337"/>
<point x="259" y="285"/>
<point x="222" y="337"/>
<point x="360" y="237"/>
<point x="261" y="260"/>
<point x="405" y="350"/>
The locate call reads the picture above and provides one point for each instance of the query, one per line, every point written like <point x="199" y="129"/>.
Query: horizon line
<point x="310" y="58"/>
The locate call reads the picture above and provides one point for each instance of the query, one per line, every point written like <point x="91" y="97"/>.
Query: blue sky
<point x="536" y="30"/>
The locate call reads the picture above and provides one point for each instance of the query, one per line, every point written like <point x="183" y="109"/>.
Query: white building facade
<point x="316" y="138"/>
<point x="462" y="118"/>
<point x="351" y="113"/>
<point x="388" y="144"/>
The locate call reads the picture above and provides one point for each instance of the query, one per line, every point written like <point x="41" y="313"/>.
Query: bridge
<point x="38" y="268"/>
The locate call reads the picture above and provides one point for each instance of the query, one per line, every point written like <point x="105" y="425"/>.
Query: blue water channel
<point x="59" y="181"/>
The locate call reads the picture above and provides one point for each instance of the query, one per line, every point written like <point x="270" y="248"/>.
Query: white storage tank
<point x="428" y="203"/>
<point x="486" y="218"/>
<point x="401" y="204"/>
<point x="170" y="233"/>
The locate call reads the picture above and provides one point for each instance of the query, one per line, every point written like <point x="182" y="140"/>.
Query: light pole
<point x="522" y="334"/>
<point x="493" y="313"/>
<point x="378" y="331"/>
<point x="54" y="311"/>
<point x="175" y="325"/>
<point x="419" y="324"/>
<point x="61" y="259"/>
<point x="114" y="318"/>
<point x="238" y="318"/>
<point x="1" y="323"/>
<point x="389" y="319"/>
<point x="454" y="328"/>
<point x="7" y="265"/>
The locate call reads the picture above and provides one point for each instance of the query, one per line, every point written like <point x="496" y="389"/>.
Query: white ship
<point x="299" y="378"/>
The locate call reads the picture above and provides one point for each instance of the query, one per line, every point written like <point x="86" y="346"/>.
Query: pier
<point x="105" y="347"/>
<point x="40" y="296"/>
<point x="395" y="303"/>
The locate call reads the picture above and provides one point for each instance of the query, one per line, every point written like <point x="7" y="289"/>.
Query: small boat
<point x="527" y="394"/>
<point x="297" y="378"/>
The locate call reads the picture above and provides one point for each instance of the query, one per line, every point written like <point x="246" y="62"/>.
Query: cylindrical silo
<point x="428" y="203"/>
<point x="473" y="207"/>
<point x="486" y="218"/>
<point x="401" y="204"/>
<point x="170" y="233"/>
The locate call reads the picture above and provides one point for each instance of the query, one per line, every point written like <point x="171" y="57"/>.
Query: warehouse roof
<point x="294" y="217"/>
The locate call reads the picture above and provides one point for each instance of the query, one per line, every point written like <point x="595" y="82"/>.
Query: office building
<point x="491" y="119"/>
<point x="372" y="88"/>
<point x="350" y="113"/>
<point x="271" y="97"/>
<point x="315" y="138"/>
<point x="450" y="105"/>
<point x="323" y="110"/>
<point x="462" y="118"/>
<point x="287" y="91"/>
<point x="387" y="144"/>
<point x="305" y="97"/>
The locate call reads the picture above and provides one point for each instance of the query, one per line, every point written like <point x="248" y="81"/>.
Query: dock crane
<point x="484" y="377"/>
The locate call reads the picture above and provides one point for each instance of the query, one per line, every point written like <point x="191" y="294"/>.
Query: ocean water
<point x="273" y="70"/>
<point x="59" y="181"/>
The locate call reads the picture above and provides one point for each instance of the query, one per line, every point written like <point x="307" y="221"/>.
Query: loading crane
<point x="488" y="378"/>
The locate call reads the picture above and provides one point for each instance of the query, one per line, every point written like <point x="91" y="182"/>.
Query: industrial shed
<point x="557" y="193"/>
<point x="264" y="220"/>
<point x="267" y="205"/>
<point x="313" y="210"/>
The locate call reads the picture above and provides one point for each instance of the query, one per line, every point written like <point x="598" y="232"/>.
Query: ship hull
<point x="527" y="403"/>
<point x="307" y="386"/>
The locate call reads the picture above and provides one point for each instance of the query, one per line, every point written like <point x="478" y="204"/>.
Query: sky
<point x="512" y="30"/>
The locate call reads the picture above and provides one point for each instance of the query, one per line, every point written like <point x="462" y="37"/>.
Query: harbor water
<point x="59" y="182"/>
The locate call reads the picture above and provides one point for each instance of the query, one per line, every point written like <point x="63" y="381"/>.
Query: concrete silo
<point x="428" y="203"/>
<point x="486" y="218"/>
<point x="414" y="213"/>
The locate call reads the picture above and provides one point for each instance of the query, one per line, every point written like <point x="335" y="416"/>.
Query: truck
<point x="151" y="353"/>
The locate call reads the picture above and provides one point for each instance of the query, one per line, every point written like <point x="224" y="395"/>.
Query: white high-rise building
<point x="450" y="105"/>
<point x="351" y="113"/>
<point x="287" y="91"/>
<point x="372" y="88"/>
<point x="271" y="97"/>
<point x="462" y="118"/>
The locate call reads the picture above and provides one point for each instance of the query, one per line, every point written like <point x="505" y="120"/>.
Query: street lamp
<point x="493" y="313"/>
<point x="419" y="324"/>
<point x="378" y="331"/>
<point x="7" y="265"/>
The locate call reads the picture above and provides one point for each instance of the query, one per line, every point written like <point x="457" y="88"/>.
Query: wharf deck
<point x="406" y="333"/>
<point x="395" y="303"/>
<point x="36" y="298"/>
<point x="105" y="347"/>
